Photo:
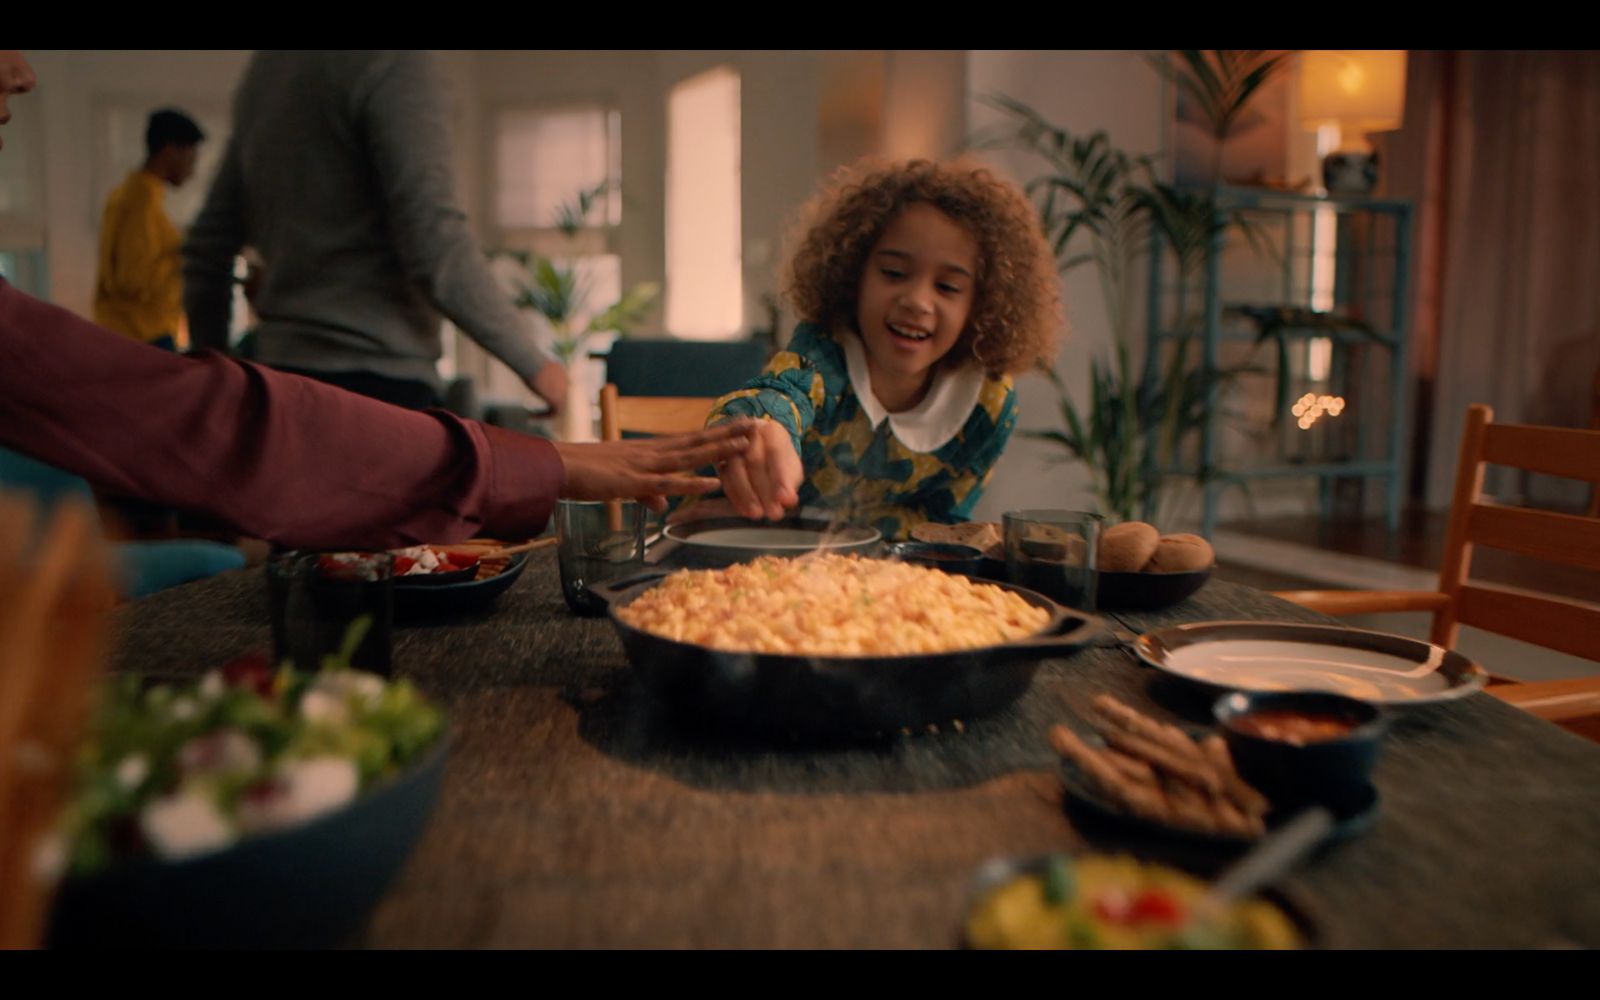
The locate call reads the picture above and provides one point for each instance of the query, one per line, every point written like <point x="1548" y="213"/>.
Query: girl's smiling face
<point x="915" y="297"/>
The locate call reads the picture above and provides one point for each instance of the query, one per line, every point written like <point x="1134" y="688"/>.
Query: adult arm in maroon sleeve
<point x="280" y="457"/>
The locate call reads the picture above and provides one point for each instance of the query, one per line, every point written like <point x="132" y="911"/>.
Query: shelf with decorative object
<point x="1327" y="286"/>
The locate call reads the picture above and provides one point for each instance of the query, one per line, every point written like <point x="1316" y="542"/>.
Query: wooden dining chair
<point x="54" y="594"/>
<point x="650" y="414"/>
<point x="1559" y="623"/>
<point x="1594" y="424"/>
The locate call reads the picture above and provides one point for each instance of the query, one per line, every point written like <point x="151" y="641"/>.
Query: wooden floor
<point x="1419" y="543"/>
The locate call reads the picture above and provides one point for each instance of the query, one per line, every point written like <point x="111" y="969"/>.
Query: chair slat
<point x="662" y="414"/>
<point x="1543" y="534"/>
<point x="1555" y="451"/>
<point x="1555" y="623"/>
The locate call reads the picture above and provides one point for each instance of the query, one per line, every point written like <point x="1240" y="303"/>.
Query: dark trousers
<point x="411" y="394"/>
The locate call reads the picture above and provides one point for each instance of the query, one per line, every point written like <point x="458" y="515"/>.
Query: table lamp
<point x="1345" y="94"/>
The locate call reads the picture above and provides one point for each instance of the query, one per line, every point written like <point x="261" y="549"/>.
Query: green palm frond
<point x="627" y="311"/>
<point x="1221" y="83"/>
<point x="573" y="215"/>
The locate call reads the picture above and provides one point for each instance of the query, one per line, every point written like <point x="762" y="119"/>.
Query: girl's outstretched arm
<point x="786" y="400"/>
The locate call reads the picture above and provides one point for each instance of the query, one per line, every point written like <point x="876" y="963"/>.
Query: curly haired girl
<point x="921" y="289"/>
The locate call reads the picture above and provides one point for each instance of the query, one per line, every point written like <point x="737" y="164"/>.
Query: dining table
<point x="577" y="813"/>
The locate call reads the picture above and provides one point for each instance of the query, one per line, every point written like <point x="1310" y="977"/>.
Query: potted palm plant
<point x="559" y="293"/>
<point x="1101" y="206"/>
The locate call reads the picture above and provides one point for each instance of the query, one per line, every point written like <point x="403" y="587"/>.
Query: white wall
<point x="778" y="112"/>
<point x="72" y="86"/>
<point x="1083" y="91"/>
<point x="1080" y="91"/>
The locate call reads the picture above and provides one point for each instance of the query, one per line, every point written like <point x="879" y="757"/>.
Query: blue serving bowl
<point x="307" y="886"/>
<point x="1335" y="772"/>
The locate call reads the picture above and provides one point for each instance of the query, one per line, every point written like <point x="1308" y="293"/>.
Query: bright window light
<point x="544" y="158"/>
<point x="705" y="290"/>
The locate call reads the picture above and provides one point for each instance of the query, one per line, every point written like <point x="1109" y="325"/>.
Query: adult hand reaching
<point x="653" y="469"/>
<point x="550" y="384"/>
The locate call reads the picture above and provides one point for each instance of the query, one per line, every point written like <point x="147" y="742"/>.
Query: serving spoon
<point x="1272" y="856"/>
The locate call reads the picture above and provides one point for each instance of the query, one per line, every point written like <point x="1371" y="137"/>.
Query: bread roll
<point x="1181" y="554"/>
<point x="984" y="535"/>
<point x="1126" y="547"/>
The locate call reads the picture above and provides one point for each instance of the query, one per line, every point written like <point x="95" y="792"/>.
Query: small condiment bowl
<point x="1335" y="771"/>
<point x="963" y="560"/>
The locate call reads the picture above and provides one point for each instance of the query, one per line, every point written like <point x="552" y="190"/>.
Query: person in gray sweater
<point x="338" y="173"/>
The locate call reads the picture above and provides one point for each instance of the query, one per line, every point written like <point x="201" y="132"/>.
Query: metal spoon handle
<point x="1273" y="856"/>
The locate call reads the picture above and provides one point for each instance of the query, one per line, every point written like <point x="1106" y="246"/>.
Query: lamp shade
<point x="1360" y="90"/>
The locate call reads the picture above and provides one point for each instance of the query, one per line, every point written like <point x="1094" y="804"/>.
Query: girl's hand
<point x="764" y="481"/>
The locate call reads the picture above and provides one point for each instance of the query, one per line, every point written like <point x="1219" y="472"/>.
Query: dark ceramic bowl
<point x="1335" y="772"/>
<point x="1147" y="591"/>
<point x="441" y="599"/>
<point x="962" y="560"/>
<point x="308" y="886"/>
<point x="996" y="872"/>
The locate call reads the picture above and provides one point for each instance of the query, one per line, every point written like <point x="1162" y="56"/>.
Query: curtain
<point x="1501" y="154"/>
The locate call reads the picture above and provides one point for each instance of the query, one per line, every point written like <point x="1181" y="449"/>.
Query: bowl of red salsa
<point x="1303" y="746"/>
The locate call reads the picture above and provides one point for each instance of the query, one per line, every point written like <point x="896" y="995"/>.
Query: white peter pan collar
<point x="932" y="423"/>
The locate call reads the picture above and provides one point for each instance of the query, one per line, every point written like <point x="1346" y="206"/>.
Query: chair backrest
<point x="53" y="599"/>
<point x="1553" y="622"/>
<point x="620" y="414"/>
<point x="665" y="366"/>
<point x="1594" y="424"/>
<point x="50" y="485"/>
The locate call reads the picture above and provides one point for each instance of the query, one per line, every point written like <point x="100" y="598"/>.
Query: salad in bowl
<point x="259" y="805"/>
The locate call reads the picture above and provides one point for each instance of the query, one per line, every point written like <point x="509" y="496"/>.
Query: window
<point x="705" y="278"/>
<point x="22" y="229"/>
<point x="542" y="159"/>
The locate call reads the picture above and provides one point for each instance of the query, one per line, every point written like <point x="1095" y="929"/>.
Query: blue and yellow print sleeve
<point x="864" y="472"/>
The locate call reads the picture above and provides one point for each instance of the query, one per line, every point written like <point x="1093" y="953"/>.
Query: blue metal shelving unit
<point x="1358" y="264"/>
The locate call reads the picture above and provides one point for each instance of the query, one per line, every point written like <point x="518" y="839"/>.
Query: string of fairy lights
<point x="1308" y="409"/>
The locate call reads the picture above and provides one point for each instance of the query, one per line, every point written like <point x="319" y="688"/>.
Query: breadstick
<point x="1252" y="802"/>
<point x="1190" y="806"/>
<point x="1094" y="764"/>
<point x="1178" y="766"/>
<point x="1235" y="821"/>
<point x="1171" y="737"/>
<point x="1132" y="767"/>
<point x="1143" y="800"/>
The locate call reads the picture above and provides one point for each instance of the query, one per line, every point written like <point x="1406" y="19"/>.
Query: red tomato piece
<point x="1156" y="906"/>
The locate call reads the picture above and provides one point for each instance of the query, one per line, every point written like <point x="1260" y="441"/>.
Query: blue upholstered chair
<point x="141" y="567"/>
<point x="684" y="368"/>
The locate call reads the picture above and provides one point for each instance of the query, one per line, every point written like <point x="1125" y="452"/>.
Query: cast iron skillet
<point x="832" y="698"/>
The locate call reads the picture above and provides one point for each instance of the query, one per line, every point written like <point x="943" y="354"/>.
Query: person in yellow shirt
<point x="139" y="292"/>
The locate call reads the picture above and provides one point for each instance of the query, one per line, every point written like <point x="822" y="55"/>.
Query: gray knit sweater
<point x="338" y="172"/>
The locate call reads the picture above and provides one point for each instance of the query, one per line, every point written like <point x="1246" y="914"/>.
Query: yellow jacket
<point x="139" y="291"/>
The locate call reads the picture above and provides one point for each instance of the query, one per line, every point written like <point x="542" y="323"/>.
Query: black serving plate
<point x="1147" y="591"/>
<point x="421" y="603"/>
<point x="1352" y="817"/>
<point x="308" y="886"/>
